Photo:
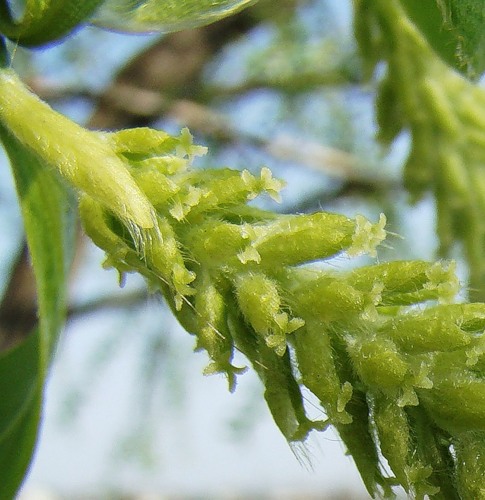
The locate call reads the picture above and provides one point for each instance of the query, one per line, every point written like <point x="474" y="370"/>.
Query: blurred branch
<point x="148" y="104"/>
<point x="170" y="69"/>
<point x="334" y="162"/>
<point x="295" y="84"/>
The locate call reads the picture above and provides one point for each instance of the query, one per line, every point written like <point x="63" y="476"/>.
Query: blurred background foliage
<point x="281" y="87"/>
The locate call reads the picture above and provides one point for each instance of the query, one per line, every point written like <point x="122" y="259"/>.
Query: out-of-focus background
<point x="128" y="412"/>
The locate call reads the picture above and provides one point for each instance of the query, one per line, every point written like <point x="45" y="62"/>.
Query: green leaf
<point x="164" y="15"/>
<point x="429" y="19"/>
<point x="49" y="228"/>
<point x="19" y="367"/>
<point x="44" y="21"/>
<point x="455" y="29"/>
<point x="467" y="20"/>
<point x="19" y="411"/>
<point x="48" y="220"/>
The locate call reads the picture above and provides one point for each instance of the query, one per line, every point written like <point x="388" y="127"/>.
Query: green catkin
<point x="322" y="292"/>
<point x="407" y="283"/>
<point x="158" y="188"/>
<point x="395" y="376"/>
<point x="282" y="392"/>
<point x="458" y="388"/>
<point x="443" y="112"/>
<point x="140" y="143"/>
<point x="389" y="112"/>
<point x="417" y="333"/>
<point x="214" y="244"/>
<point x="226" y="188"/>
<point x="231" y="283"/>
<point x="283" y="396"/>
<point x="166" y="259"/>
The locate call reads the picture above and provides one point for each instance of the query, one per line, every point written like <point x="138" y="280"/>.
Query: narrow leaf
<point x="49" y="228"/>
<point x="21" y="392"/>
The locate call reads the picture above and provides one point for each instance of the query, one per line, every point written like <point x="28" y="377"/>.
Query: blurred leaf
<point x="161" y="15"/>
<point x="467" y="20"/>
<point x="455" y="29"/>
<point x="429" y="19"/>
<point x="49" y="228"/>
<point x="43" y="21"/>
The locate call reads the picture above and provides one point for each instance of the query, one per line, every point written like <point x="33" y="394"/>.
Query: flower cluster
<point x="384" y="368"/>
<point x="398" y="369"/>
